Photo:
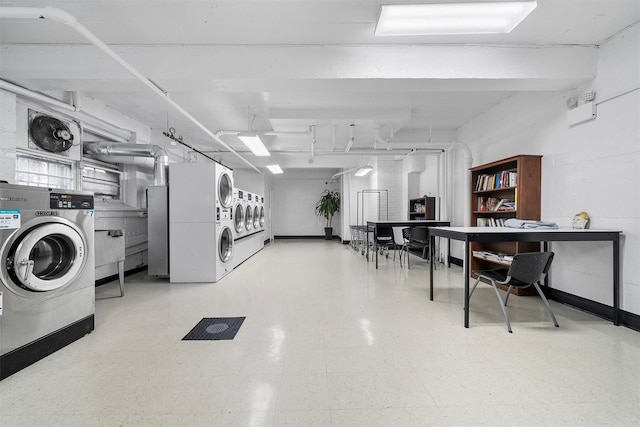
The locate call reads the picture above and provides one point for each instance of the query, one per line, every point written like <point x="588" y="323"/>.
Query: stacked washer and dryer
<point x="200" y="222"/>
<point x="249" y="227"/>
<point x="47" y="272"/>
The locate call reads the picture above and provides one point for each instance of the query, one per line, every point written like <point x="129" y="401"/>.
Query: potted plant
<point x="326" y="207"/>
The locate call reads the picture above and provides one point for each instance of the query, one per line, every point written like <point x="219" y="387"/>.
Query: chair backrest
<point x="420" y="234"/>
<point x="406" y="234"/>
<point x="530" y="267"/>
<point x="385" y="233"/>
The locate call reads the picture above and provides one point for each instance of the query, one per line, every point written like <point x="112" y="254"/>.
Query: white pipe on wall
<point x="63" y="17"/>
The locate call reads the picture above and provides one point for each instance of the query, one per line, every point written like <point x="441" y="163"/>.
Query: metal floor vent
<point x="215" y="328"/>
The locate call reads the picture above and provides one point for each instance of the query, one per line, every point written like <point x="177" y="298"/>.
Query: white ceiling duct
<point x="63" y="17"/>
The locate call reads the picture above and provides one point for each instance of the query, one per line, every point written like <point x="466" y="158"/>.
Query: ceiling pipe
<point x="63" y="17"/>
<point x="161" y="159"/>
<point x="351" y="138"/>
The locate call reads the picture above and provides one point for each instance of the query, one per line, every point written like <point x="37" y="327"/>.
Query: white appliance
<point x="256" y="213"/>
<point x="252" y="240"/>
<point x="238" y="213"/>
<point x="200" y="222"/>
<point x="261" y="213"/>
<point x="47" y="272"/>
<point x="248" y="217"/>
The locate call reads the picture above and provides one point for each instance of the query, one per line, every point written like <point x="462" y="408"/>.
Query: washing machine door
<point x="248" y="220"/>
<point x="256" y="218"/>
<point x="238" y="218"/>
<point x="262" y="217"/>
<point x="225" y="190"/>
<point x="46" y="257"/>
<point x="225" y="244"/>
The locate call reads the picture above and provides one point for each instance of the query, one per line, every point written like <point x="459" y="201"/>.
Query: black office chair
<point x="526" y="269"/>
<point x="415" y="238"/>
<point x="385" y="240"/>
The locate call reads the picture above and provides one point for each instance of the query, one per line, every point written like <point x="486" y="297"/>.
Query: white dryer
<point x="256" y="213"/>
<point x="47" y="272"/>
<point x="238" y="213"/>
<point x="260" y="217"/>
<point x="200" y="222"/>
<point x="248" y="217"/>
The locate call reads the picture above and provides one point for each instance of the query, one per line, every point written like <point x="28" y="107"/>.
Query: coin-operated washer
<point x="47" y="272"/>
<point x="253" y="239"/>
<point x="248" y="217"/>
<point x="238" y="213"/>
<point x="200" y="222"/>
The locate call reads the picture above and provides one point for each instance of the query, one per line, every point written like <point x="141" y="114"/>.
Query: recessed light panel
<point x="275" y="169"/>
<point x="452" y="18"/>
<point x="254" y="143"/>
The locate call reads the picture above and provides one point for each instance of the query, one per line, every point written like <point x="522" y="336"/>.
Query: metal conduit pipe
<point x="63" y="17"/>
<point x="161" y="159"/>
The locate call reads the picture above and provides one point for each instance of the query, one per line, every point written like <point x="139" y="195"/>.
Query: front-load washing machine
<point x="261" y="220"/>
<point x="248" y="217"/>
<point x="200" y="222"/>
<point x="238" y="213"/>
<point x="47" y="272"/>
<point x="256" y="213"/>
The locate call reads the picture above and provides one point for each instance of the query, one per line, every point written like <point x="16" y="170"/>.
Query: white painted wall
<point x="7" y="136"/>
<point x="295" y="195"/>
<point x="591" y="167"/>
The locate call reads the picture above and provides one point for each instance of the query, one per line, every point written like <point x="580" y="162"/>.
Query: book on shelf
<point x="494" y="256"/>
<point x="494" y="204"/>
<point x="504" y="179"/>
<point x="490" y="222"/>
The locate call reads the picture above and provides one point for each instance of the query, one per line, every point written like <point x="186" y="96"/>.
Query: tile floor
<point x="330" y="341"/>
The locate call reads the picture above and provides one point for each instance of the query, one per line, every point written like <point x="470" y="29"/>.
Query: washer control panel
<point x="70" y="201"/>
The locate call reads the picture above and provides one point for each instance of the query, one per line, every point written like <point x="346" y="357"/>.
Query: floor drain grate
<point x="215" y="328"/>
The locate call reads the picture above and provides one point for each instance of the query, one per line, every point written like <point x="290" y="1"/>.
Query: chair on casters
<point x="526" y="269"/>
<point x="385" y="240"/>
<point x="416" y="238"/>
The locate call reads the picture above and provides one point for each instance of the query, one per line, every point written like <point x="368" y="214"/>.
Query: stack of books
<point x="494" y="256"/>
<point x="494" y="204"/>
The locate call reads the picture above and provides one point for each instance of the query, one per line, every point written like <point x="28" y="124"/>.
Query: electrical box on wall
<point x="581" y="114"/>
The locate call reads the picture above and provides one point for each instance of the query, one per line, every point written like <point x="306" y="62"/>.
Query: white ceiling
<point x="282" y="66"/>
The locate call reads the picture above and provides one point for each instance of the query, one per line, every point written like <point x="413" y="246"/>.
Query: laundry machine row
<point x="47" y="272"/>
<point x="248" y="213"/>
<point x="200" y="222"/>
<point x="249" y="220"/>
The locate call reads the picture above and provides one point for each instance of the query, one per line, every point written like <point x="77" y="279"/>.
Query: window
<point x="42" y="171"/>
<point x="103" y="180"/>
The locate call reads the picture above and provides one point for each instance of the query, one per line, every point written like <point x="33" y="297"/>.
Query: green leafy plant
<point x="328" y="205"/>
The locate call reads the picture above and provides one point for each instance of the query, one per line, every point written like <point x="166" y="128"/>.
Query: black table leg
<point x="431" y="243"/>
<point x="466" y="283"/>
<point x="616" y="280"/>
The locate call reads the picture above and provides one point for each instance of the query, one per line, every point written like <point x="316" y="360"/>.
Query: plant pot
<point x="328" y="233"/>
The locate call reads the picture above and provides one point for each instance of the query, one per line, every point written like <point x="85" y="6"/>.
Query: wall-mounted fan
<point x="50" y="134"/>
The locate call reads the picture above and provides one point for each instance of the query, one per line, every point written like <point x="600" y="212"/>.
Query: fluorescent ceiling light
<point x="364" y="170"/>
<point x="452" y="18"/>
<point x="275" y="169"/>
<point x="254" y="143"/>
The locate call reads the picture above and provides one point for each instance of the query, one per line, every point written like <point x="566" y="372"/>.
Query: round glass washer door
<point x="256" y="218"/>
<point x="238" y="218"/>
<point x="47" y="257"/>
<point x="225" y="244"/>
<point x="262" y="217"/>
<point x="248" y="220"/>
<point x="225" y="190"/>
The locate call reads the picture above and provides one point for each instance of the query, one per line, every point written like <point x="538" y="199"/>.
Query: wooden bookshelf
<point x="422" y="208"/>
<point x="507" y="188"/>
